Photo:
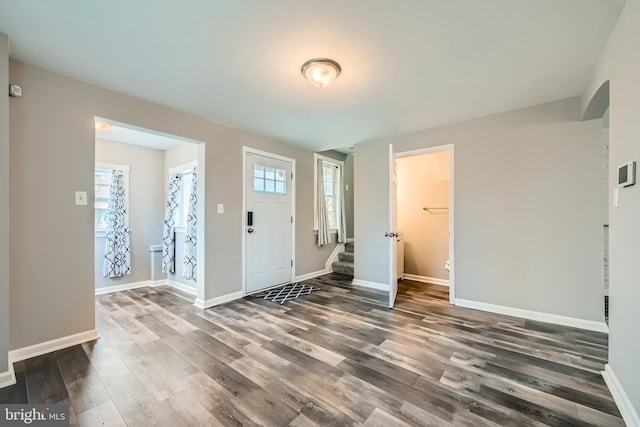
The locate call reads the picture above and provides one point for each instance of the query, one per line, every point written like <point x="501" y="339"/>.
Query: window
<point x="102" y="188"/>
<point x="183" y="206"/>
<point x="269" y="179"/>
<point x="186" y="173"/>
<point x="331" y="176"/>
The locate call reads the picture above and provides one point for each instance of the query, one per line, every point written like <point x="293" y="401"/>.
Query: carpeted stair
<point x="344" y="265"/>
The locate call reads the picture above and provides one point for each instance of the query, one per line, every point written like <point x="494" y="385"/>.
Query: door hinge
<point x="291" y="263"/>
<point x="292" y="220"/>
<point x="291" y="176"/>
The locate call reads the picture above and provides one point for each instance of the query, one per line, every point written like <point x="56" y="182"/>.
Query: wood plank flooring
<point x="336" y="357"/>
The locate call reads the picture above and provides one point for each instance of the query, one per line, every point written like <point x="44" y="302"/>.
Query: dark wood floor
<point x="336" y="357"/>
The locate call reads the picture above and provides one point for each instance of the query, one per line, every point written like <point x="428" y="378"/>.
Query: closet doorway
<point x="425" y="208"/>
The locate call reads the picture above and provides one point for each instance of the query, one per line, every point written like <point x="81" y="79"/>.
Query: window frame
<point x="109" y="167"/>
<point x="185" y="169"/>
<point x="339" y="185"/>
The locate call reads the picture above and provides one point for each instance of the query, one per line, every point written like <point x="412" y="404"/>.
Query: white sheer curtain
<point x="190" y="239"/>
<point x="117" y="247"/>
<point x="168" y="235"/>
<point x="342" y="216"/>
<point x="322" y="231"/>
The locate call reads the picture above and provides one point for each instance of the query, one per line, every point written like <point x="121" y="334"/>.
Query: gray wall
<point x="621" y="65"/>
<point x="348" y="194"/>
<point x="371" y="212"/>
<point x="528" y="223"/>
<point x="4" y="203"/>
<point x="146" y="207"/>
<point x="176" y="156"/>
<point x="52" y="136"/>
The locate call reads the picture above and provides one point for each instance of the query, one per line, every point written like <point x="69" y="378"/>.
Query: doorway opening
<point x="425" y="218"/>
<point x="147" y="233"/>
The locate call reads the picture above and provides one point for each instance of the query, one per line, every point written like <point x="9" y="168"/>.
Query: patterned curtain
<point x="117" y="247"/>
<point x="322" y="232"/>
<point x="168" y="235"/>
<point x="190" y="240"/>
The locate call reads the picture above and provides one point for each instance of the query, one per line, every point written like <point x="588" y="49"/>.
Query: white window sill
<point x="180" y="229"/>
<point x="100" y="234"/>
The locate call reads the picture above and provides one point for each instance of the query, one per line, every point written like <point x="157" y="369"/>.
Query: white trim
<point x="156" y="283"/>
<point x="52" y="345"/>
<point x="311" y="275"/>
<point x="620" y="396"/>
<point x="124" y="287"/>
<point x="452" y="228"/>
<point x="349" y="240"/>
<point x="557" y="319"/>
<point x="218" y="300"/>
<point x="8" y="378"/>
<point x="370" y="285"/>
<point x="180" y="286"/>
<point x="246" y="150"/>
<point x="426" y="279"/>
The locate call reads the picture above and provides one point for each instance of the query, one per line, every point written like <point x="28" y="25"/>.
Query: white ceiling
<point x="407" y="64"/>
<point x="130" y="135"/>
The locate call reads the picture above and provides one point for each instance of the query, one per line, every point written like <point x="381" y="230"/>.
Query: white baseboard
<point x="535" y="315"/>
<point x="125" y="287"/>
<point x="620" y="396"/>
<point x="9" y="377"/>
<point x="52" y="345"/>
<point x="426" y="279"/>
<point x="180" y="286"/>
<point x="218" y="300"/>
<point x="155" y="283"/>
<point x="370" y="285"/>
<point x="311" y="275"/>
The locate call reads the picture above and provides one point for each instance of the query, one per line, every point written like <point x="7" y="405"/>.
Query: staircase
<point x="344" y="265"/>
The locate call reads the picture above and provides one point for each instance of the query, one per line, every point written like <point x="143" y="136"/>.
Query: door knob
<point x="249" y="230"/>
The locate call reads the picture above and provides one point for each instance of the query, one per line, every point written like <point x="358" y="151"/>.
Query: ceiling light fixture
<point x="102" y="126"/>
<point x="321" y="71"/>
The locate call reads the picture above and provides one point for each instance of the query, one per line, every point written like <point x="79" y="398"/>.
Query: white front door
<point x="393" y="228"/>
<point x="268" y="222"/>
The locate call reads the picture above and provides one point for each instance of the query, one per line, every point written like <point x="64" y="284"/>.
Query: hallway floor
<point x="335" y="357"/>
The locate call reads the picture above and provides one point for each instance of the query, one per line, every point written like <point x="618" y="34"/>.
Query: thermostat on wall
<point x="627" y="174"/>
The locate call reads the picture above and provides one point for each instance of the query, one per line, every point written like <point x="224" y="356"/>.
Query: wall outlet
<point x="220" y="208"/>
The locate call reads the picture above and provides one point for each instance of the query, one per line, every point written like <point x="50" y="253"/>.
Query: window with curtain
<point x="183" y="198"/>
<point x="102" y="186"/>
<point x="331" y="178"/>
<point x="329" y="210"/>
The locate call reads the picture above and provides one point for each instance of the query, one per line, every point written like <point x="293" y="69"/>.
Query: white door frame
<point x="246" y="150"/>
<point x="435" y="149"/>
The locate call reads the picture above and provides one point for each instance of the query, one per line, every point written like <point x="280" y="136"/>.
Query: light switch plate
<point x="81" y="198"/>
<point x="220" y="208"/>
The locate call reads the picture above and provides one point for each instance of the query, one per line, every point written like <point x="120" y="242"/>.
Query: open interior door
<point x="393" y="228"/>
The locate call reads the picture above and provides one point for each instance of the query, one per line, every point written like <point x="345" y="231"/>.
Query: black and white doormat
<point x="286" y="293"/>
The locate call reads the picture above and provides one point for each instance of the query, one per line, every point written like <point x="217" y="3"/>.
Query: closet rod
<point x="428" y="209"/>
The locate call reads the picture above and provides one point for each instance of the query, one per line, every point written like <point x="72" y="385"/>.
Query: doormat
<point x="286" y="293"/>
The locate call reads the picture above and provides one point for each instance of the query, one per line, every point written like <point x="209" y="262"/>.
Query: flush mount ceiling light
<point x="321" y="71"/>
<point x="102" y="126"/>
